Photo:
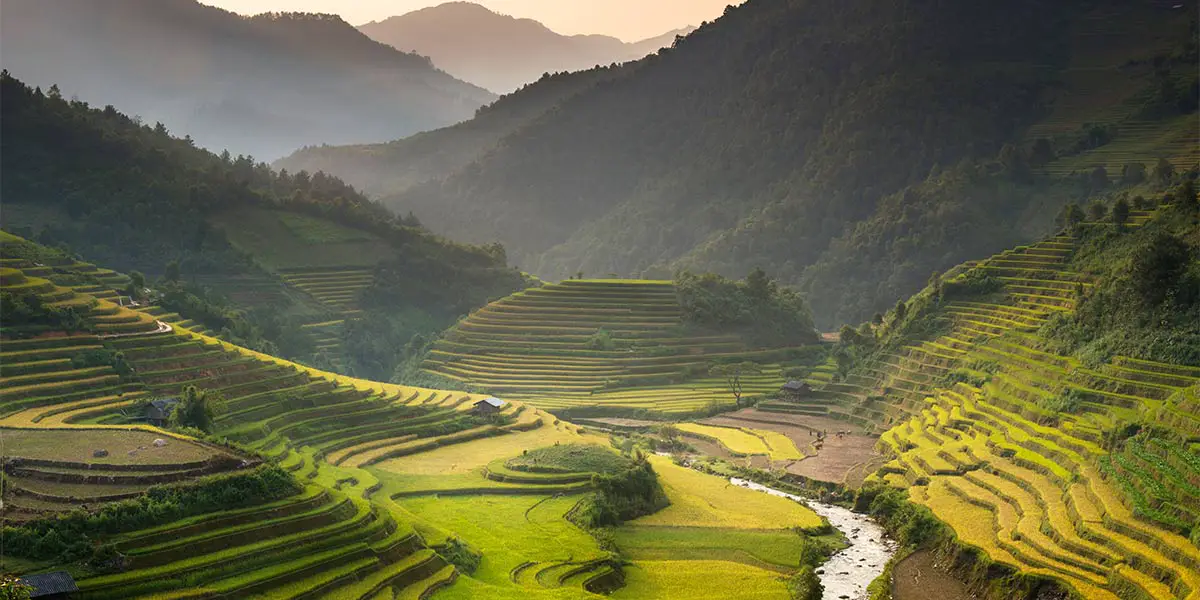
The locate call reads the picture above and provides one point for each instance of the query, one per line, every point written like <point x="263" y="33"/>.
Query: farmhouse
<point x="488" y="406"/>
<point x="158" y="413"/>
<point x="794" y="391"/>
<point x="51" y="586"/>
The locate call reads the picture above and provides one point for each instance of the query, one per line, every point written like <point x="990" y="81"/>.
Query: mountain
<point x="293" y="264"/>
<point x="499" y="52"/>
<point x="262" y="85"/>
<point x="849" y="149"/>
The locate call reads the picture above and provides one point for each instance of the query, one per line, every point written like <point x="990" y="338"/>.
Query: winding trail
<point x="846" y="574"/>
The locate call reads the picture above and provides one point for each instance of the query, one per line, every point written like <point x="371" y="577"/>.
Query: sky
<point x="630" y="20"/>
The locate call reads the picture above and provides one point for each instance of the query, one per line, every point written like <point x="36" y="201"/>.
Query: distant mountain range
<point x="499" y="52"/>
<point x="262" y="85"/>
<point x="850" y="148"/>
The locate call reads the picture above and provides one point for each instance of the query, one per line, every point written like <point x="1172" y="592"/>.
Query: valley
<point x="817" y="301"/>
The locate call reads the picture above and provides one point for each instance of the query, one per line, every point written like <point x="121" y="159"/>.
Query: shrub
<point x="806" y="585"/>
<point x="459" y="554"/>
<point x="601" y="340"/>
<point x="71" y="537"/>
<point x="622" y="496"/>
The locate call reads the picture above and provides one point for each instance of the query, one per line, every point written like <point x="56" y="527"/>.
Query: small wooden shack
<point x="159" y="411"/>
<point x="795" y="391"/>
<point x="488" y="406"/>
<point x="50" y="586"/>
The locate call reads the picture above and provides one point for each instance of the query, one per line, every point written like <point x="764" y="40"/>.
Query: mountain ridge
<point x="499" y="52"/>
<point x="261" y="85"/>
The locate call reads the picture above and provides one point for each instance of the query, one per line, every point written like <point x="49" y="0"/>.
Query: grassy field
<point x="700" y="500"/>
<point x="279" y="239"/>
<point x="701" y="580"/>
<point x="771" y="549"/>
<point x="509" y="530"/>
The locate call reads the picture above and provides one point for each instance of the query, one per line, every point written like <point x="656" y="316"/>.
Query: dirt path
<point x="917" y="577"/>
<point x="838" y="457"/>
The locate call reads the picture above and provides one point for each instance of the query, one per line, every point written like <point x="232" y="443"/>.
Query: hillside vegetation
<point x="814" y="138"/>
<point x="262" y="85"/>
<point x="1041" y="402"/>
<point x="291" y="249"/>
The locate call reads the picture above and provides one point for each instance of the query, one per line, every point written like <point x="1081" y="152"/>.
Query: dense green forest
<point x="848" y="147"/>
<point x="132" y="196"/>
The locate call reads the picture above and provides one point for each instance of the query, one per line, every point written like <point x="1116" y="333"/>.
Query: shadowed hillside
<point x="851" y="148"/>
<point x="261" y="85"/>
<point x="499" y="52"/>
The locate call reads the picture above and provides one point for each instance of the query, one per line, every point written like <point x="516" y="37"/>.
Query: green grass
<point x="508" y="530"/>
<point x="700" y="500"/>
<point x="700" y="580"/>
<point x="571" y="458"/>
<point x="779" y="549"/>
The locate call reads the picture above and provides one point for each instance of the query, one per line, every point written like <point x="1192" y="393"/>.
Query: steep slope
<point x="261" y="85"/>
<point x="394" y="167"/>
<point x="782" y="127"/>
<point x="288" y="250"/>
<point x="499" y="52"/>
<point x="1041" y="403"/>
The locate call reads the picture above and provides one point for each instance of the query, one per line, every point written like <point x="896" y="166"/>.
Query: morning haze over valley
<point x="543" y="300"/>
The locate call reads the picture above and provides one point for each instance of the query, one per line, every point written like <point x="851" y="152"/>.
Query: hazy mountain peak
<point x="261" y="85"/>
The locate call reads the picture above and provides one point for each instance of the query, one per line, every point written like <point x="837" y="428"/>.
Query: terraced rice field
<point x="743" y="441"/>
<point x="544" y="346"/>
<point x="1101" y="88"/>
<point x="1034" y="488"/>
<point x="335" y="288"/>
<point x="331" y="541"/>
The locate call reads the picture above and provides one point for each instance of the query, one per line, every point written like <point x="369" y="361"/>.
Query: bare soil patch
<point x="124" y="447"/>
<point x="920" y="577"/>
<point x="839" y="455"/>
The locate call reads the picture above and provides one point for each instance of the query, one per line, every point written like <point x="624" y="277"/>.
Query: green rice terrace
<point x="1081" y="474"/>
<point x="598" y="343"/>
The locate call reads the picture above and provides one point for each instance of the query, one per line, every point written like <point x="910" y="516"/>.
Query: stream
<point x="848" y="573"/>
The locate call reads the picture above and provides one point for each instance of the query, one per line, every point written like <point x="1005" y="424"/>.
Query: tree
<point x="1120" y="212"/>
<point x="1140" y="202"/>
<point x="1041" y="153"/>
<point x="137" y="283"/>
<point x="806" y="584"/>
<point x="1187" y="194"/>
<point x="1158" y="266"/>
<point x="197" y="408"/>
<point x="1133" y="173"/>
<point x="172" y="272"/>
<point x="732" y="373"/>
<point x="935" y="282"/>
<point x="1070" y="216"/>
<point x="901" y="310"/>
<point x="877" y="320"/>
<point x="1014" y="163"/>
<point x="1164" y="172"/>
<point x="1099" y="178"/>
<point x="759" y="285"/>
<point x="1097" y="210"/>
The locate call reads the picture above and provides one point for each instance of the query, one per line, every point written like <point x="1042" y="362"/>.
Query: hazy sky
<point x="629" y="20"/>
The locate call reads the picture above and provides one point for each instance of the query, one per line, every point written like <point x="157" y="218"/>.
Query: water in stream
<point x="847" y="574"/>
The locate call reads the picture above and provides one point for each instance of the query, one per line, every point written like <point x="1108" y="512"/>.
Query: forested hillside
<point x="499" y="52"/>
<point x="130" y="195"/>
<point x="847" y="147"/>
<point x="262" y="85"/>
